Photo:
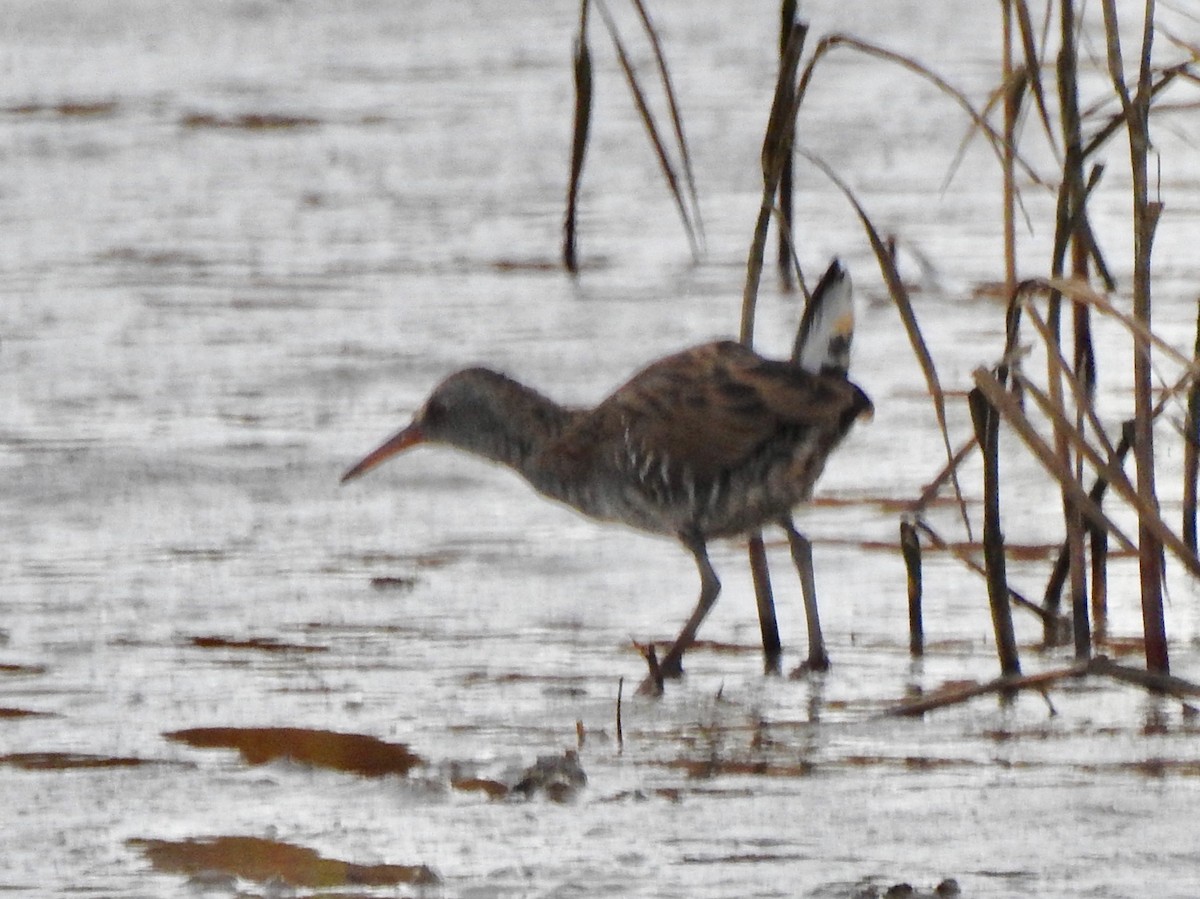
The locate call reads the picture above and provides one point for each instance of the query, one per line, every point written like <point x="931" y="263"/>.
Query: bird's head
<point x="463" y="411"/>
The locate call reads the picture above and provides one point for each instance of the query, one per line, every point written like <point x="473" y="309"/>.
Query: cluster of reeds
<point x="1082" y="457"/>
<point x="676" y="167"/>
<point x="1084" y="460"/>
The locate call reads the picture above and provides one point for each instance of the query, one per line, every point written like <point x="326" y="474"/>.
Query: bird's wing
<point x="711" y="408"/>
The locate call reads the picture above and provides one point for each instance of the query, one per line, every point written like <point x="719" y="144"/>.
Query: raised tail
<point x="827" y="326"/>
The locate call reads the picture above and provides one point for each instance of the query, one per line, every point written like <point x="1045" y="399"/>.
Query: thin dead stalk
<point x="938" y="542"/>
<point x="1015" y="416"/>
<point x="776" y="150"/>
<point x="908" y="317"/>
<point x="787" y="18"/>
<point x="620" y="724"/>
<point x="685" y="156"/>
<point x="1191" y="452"/>
<point x="987" y="429"/>
<point x="1007" y="162"/>
<point x="652" y="130"/>
<point x="1145" y="220"/>
<point x="910" y="547"/>
<point x="581" y="124"/>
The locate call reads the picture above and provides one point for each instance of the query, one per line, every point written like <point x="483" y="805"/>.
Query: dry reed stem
<point x="776" y="149"/>
<point x="1033" y="66"/>
<point x="930" y="491"/>
<point x="1143" y="336"/>
<point x="1116" y="122"/>
<point x="1099" y="547"/>
<point x="1007" y="164"/>
<point x="580" y="126"/>
<point x="652" y="130"/>
<point x="1191" y="453"/>
<point x="938" y="542"/>
<point x="987" y="424"/>
<point x="620" y="723"/>
<point x="1136" y="109"/>
<point x="995" y="140"/>
<point x="685" y="155"/>
<point x="1158" y="683"/>
<point x="785" y="253"/>
<point x="903" y="304"/>
<point x="910" y="548"/>
<point x="1149" y="516"/>
<point x="1013" y="414"/>
<point x="1081" y="390"/>
<point x="1004" y="685"/>
<point x="1058" y="573"/>
<point x="1073" y="231"/>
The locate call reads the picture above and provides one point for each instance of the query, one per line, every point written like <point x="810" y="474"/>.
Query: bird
<point x="714" y="441"/>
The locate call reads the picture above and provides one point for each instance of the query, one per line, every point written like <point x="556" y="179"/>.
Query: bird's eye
<point x="434" y="411"/>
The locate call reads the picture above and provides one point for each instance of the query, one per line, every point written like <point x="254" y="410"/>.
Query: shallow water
<point x="208" y="315"/>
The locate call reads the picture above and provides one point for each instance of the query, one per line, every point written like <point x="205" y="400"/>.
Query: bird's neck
<point x="519" y="424"/>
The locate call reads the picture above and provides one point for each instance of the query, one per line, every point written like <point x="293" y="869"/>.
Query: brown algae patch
<point x="65" y="761"/>
<point x="261" y="861"/>
<point x="254" y="121"/>
<point x="22" y="670"/>
<point x="259" y="644"/>
<point x="67" y="108"/>
<point x="351" y="753"/>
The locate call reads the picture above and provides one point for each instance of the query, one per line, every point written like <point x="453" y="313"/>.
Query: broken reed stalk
<point x="620" y="725"/>
<point x="1191" y="452"/>
<point x="1145" y="221"/>
<point x="987" y="429"/>
<point x="787" y="18"/>
<point x="652" y="130"/>
<point x="1071" y="211"/>
<point x="581" y="124"/>
<point x="910" y="548"/>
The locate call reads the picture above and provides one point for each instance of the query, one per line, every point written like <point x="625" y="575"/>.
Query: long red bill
<point x="397" y="443"/>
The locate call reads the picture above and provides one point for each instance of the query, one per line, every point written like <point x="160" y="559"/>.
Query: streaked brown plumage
<point x="713" y="441"/>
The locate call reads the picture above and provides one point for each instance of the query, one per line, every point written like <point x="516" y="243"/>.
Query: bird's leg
<point x="772" y="648"/>
<point x="672" y="662"/>
<point x="801" y="549"/>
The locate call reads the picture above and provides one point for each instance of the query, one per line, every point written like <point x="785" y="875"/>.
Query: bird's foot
<point x="671" y="667"/>
<point x="772" y="663"/>
<point x="816" y="663"/>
